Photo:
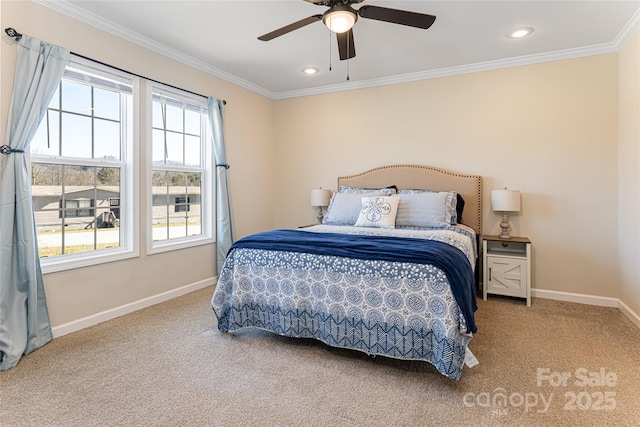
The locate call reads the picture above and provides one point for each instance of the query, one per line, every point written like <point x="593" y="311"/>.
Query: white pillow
<point x="378" y="212"/>
<point x="424" y="210"/>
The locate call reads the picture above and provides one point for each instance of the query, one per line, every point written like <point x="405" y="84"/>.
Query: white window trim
<point x="129" y="232"/>
<point x="207" y="186"/>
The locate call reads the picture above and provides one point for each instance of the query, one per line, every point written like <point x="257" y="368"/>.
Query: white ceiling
<point x="220" y="37"/>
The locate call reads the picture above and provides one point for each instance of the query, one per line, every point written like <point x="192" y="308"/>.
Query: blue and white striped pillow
<point x="455" y="203"/>
<point x="425" y="209"/>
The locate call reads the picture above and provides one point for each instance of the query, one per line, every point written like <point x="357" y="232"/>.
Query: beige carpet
<point x="169" y="366"/>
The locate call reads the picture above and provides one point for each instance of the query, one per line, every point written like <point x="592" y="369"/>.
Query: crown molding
<point x="68" y="9"/>
<point x="454" y="71"/>
<point x="615" y="46"/>
<point x="627" y="31"/>
<point x="62" y="6"/>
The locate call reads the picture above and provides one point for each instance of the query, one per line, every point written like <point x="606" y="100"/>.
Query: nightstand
<point x="507" y="267"/>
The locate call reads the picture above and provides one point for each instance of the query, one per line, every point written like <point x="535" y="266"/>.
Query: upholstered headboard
<point x="407" y="177"/>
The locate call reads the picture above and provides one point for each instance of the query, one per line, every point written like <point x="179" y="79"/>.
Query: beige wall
<point x="549" y="130"/>
<point x="75" y="294"/>
<point x="629" y="173"/>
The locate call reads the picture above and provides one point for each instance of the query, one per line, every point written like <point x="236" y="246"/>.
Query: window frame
<point x="129" y="166"/>
<point x="207" y="185"/>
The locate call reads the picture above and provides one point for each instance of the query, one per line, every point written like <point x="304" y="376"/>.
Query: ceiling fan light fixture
<point x="340" y="18"/>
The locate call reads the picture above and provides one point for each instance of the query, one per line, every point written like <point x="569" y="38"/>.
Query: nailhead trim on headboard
<point x="408" y="176"/>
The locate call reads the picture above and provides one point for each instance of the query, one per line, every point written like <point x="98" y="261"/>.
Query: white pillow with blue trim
<point x="379" y="211"/>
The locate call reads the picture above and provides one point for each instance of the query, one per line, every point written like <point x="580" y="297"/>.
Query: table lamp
<point x="505" y="201"/>
<point x="320" y="199"/>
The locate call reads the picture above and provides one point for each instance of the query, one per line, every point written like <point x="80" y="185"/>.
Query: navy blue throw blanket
<point x="447" y="258"/>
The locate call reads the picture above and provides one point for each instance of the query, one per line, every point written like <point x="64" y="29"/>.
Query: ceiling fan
<point x="340" y="18"/>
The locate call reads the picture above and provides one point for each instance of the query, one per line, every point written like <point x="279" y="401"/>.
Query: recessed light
<point x="310" y="70"/>
<point x="518" y="33"/>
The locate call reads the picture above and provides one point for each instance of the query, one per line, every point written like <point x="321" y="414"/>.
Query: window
<point x="81" y="160"/>
<point x="182" y="204"/>
<point x="76" y="208"/>
<point x="181" y="178"/>
<point x="85" y="168"/>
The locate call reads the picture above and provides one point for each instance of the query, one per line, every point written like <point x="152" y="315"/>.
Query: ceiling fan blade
<point x="330" y="3"/>
<point x="402" y="17"/>
<point x="346" y="46"/>
<point x="288" y="28"/>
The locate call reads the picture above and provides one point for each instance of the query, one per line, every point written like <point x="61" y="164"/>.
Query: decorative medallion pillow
<point x="379" y="211"/>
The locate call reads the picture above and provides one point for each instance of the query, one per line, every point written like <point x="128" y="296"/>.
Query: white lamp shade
<point x="505" y="200"/>
<point x="320" y="197"/>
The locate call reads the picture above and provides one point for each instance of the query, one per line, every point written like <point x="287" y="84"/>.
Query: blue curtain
<point x="24" y="318"/>
<point x="224" y="223"/>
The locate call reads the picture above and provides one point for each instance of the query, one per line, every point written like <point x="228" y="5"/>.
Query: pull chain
<point x="348" y="45"/>
<point x="330" y="32"/>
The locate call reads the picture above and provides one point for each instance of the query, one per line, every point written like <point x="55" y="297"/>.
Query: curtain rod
<point x="17" y="36"/>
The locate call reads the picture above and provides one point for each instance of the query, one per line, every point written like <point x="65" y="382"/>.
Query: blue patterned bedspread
<point x="381" y="295"/>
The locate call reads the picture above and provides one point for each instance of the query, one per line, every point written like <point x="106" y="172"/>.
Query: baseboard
<point x="94" y="319"/>
<point x="579" y="298"/>
<point x="103" y="316"/>
<point x="590" y="300"/>
<point x="632" y="315"/>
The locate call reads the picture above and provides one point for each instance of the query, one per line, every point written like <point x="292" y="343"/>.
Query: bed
<point x="400" y="282"/>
